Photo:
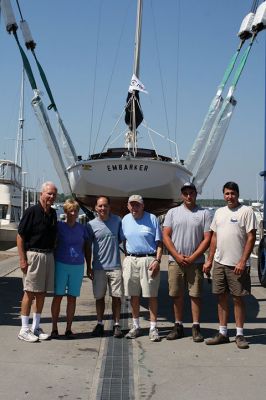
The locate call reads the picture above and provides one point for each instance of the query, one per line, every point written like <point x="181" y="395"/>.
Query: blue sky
<point x="195" y="41"/>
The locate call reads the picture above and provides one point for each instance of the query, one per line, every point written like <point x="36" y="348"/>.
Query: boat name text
<point x="126" y="167"/>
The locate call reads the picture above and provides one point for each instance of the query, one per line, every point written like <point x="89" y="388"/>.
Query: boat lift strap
<point x="197" y="150"/>
<point x="219" y="128"/>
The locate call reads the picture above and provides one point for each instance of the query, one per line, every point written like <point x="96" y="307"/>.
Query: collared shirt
<point x="37" y="228"/>
<point x="141" y="234"/>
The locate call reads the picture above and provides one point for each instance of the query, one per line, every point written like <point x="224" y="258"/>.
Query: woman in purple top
<point x="71" y="249"/>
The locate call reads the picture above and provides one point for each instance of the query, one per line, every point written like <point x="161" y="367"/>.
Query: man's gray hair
<point x="45" y="184"/>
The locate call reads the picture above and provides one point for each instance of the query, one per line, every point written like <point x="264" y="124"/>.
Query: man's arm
<point x="201" y="248"/>
<point x="87" y="255"/>
<point x="22" y="254"/>
<point x="155" y="265"/>
<point x="124" y="247"/>
<point x="167" y="240"/>
<point x="241" y="265"/>
<point x="207" y="266"/>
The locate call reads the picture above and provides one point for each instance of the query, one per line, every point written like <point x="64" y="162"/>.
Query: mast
<point x="133" y="105"/>
<point x="136" y="69"/>
<point x="138" y="38"/>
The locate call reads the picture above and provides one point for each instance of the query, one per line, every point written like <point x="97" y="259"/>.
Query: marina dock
<point x="107" y="368"/>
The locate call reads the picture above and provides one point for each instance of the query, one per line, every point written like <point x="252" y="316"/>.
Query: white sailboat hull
<point x="10" y="200"/>
<point x="159" y="182"/>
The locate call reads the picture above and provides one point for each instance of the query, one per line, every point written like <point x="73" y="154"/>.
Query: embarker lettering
<point x="126" y="167"/>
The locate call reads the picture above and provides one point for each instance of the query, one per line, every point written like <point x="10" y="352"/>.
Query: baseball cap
<point x="135" y="197"/>
<point x="188" y="185"/>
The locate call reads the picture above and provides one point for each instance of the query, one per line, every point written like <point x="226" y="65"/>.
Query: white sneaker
<point x="133" y="333"/>
<point x="27" y="336"/>
<point x="40" y="334"/>
<point x="154" y="335"/>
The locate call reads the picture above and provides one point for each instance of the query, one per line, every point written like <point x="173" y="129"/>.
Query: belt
<point x="41" y="250"/>
<point x="141" y="255"/>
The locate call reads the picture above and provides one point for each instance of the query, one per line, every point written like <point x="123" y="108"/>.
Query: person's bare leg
<point x="195" y="308"/>
<point x="55" y="311"/>
<point x="178" y="307"/>
<point x="100" y="307"/>
<point x="223" y="309"/>
<point x="70" y="311"/>
<point x="239" y="310"/>
<point x="116" y="308"/>
<point x="26" y="302"/>
<point x="153" y="308"/>
<point x="135" y="302"/>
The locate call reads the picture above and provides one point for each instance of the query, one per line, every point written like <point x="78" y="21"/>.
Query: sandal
<point x="69" y="334"/>
<point x="54" y="334"/>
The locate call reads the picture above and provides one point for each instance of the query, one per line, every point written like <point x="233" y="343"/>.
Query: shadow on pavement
<point x="208" y="314"/>
<point x="10" y="295"/>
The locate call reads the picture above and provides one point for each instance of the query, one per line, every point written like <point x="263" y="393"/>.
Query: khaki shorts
<point x="40" y="273"/>
<point x="112" y="278"/>
<point x="137" y="277"/>
<point x="180" y="278"/>
<point x="225" y="280"/>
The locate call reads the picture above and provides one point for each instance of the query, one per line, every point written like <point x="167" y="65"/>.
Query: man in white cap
<point x="141" y="267"/>
<point x="187" y="236"/>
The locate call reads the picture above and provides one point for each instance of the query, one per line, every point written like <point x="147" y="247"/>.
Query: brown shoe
<point x="176" y="333"/>
<point x="117" y="333"/>
<point x="241" y="342"/>
<point x="196" y="335"/>
<point x="69" y="334"/>
<point x="98" y="330"/>
<point x="217" y="339"/>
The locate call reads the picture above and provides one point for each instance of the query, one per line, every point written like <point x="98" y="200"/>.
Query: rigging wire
<point x="95" y="71"/>
<point x="112" y="73"/>
<point x="178" y="9"/>
<point x="160" y="72"/>
<point x="19" y="10"/>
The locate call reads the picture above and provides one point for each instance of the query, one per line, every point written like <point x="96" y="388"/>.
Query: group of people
<point x="188" y="233"/>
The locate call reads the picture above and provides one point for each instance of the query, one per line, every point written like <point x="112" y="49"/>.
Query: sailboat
<point x="11" y="183"/>
<point x="121" y="171"/>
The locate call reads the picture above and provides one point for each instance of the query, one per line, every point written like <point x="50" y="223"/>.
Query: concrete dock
<point x="107" y="368"/>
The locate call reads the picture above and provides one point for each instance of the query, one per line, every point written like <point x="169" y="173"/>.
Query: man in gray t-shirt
<point x="105" y="234"/>
<point x="186" y="236"/>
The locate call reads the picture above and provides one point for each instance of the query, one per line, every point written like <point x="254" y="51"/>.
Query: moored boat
<point x="10" y="199"/>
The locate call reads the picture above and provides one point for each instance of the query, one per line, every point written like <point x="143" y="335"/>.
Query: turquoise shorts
<point x="68" y="279"/>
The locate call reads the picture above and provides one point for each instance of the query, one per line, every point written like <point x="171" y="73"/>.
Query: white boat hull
<point x="10" y="200"/>
<point x="159" y="182"/>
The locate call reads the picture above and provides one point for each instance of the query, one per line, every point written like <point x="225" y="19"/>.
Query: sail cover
<point x="51" y="142"/>
<point x="131" y="105"/>
<point x="66" y="143"/>
<point x="203" y="135"/>
<point x="214" y="144"/>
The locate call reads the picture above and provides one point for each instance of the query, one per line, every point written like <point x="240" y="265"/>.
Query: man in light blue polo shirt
<point x="141" y="267"/>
